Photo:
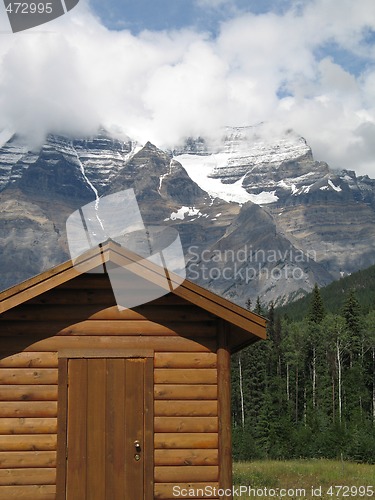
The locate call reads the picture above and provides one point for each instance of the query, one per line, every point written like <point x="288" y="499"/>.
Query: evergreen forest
<point x="308" y="391"/>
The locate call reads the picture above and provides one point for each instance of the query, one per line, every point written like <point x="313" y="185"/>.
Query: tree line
<point x="308" y="391"/>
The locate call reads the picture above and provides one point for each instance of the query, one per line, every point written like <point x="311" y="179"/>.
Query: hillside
<point x="333" y="295"/>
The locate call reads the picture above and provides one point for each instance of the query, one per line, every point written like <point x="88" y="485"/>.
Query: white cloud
<point x="164" y="86"/>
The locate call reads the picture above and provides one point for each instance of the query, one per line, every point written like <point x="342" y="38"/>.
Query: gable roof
<point x="246" y="327"/>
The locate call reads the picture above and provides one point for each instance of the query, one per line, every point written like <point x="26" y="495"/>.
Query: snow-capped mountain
<point x="99" y="158"/>
<point x="256" y="216"/>
<point x="249" y="166"/>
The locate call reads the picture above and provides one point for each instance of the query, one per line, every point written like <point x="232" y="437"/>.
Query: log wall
<point x="82" y="314"/>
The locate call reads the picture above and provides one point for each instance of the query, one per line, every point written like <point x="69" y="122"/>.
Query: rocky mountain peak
<point x="56" y="172"/>
<point x="246" y="191"/>
<point x="177" y="185"/>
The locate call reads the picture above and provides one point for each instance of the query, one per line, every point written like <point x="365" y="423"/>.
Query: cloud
<point x="165" y="86"/>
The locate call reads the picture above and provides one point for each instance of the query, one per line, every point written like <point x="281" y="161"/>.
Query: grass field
<point x="316" y="479"/>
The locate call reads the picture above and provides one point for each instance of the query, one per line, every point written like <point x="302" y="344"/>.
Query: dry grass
<point x="305" y="474"/>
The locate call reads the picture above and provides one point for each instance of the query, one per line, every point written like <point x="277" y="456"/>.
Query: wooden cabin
<point x="98" y="403"/>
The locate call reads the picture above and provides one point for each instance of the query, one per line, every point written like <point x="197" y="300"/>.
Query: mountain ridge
<point x="305" y="213"/>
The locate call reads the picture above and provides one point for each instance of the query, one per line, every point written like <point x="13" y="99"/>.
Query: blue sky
<point x="164" y="70"/>
<point x="176" y="14"/>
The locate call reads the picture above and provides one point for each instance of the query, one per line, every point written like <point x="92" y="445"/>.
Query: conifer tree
<point x="258" y="307"/>
<point x="352" y="313"/>
<point x="271" y="322"/>
<point x="317" y="311"/>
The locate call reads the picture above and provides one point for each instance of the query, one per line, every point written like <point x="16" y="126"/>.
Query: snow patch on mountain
<point x="185" y="211"/>
<point x="238" y="168"/>
<point x="336" y="188"/>
<point x="199" y="169"/>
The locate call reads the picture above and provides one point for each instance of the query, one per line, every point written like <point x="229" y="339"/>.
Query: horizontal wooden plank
<point x="28" y="393"/>
<point x="13" y="477"/>
<point x="99" y="327"/>
<point x="33" y="442"/>
<point x="25" y="459"/>
<point x="185" y="360"/>
<point x="185" y="376"/>
<point x="169" y="299"/>
<point x="198" y="491"/>
<point x="176" y="474"/>
<point x="103" y="298"/>
<point x="185" y="424"/>
<point x="42" y="492"/>
<point x="180" y="391"/>
<point x="186" y="457"/>
<point x="29" y="360"/>
<point x="106" y="353"/>
<point x="28" y="425"/>
<point x="28" y="409"/>
<point x="186" y="440"/>
<point x="171" y="344"/>
<point x="89" y="281"/>
<point x="185" y="408"/>
<point x="80" y="312"/>
<point x="40" y="376"/>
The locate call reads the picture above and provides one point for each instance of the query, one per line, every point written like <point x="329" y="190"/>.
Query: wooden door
<point x="109" y="437"/>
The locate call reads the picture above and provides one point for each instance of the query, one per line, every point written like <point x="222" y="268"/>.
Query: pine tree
<point x="271" y="322"/>
<point x="317" y="311"/>
<point x="352" y="313"/>
<point x="258" y="307"/>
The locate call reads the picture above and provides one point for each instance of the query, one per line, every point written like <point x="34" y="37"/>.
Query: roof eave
<point x="110" y="252"/>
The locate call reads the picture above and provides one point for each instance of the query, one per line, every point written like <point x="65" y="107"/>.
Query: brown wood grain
<point x="186" y="424"/>
<point x="115" y="429"/>
<point x="13" y="477"/>
<point x="95" y="434"/>
<point x="149" y="430"/>
<point x="26" y="409"/>
<point x="60" y="296"/>
<point x="77" y="415"/>
<point x="176" y="474"/>
<point x="29" y="360"/>
<point x="166" y="491"/>
<point x="186" y="457"/>
<point x="33" y="442"/>
<point x="99" y="327"/>
<point x="180" y="391"/>
<point x="225" y="421"/>
<point x="167" y="408"/>
<point x="62" y="426"/>
<point x="28" y="425"/>
<point x="106" y="353"/>
<point x="79" y="312"/>
<point x="42" y="492"/>
<point x="185" y="376"/>
<point x="25" y="459"/>
<point x="134" y="418"/>
<point x="186" y="440"/>
<point x="19" y="376"/>
<point x="159" y="343"/>
<point x="88" y="281"/>
<point x="185" y="360"/>
<point x="28" y="393"/>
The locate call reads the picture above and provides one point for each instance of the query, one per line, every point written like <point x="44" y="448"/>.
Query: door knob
<point x="137" y="445"/>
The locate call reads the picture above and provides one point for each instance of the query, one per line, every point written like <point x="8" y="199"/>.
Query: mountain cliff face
<point x="255" y="216"/>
